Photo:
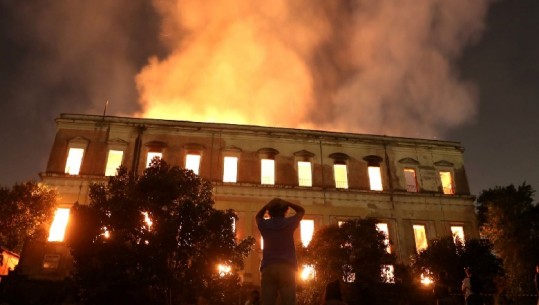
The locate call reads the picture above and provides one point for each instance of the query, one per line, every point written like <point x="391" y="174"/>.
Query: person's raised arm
<point x="260" y="214"/>
<point x="300" y="211"/>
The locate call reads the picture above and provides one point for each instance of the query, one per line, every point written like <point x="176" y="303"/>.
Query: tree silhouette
<point x="154" y="239"/>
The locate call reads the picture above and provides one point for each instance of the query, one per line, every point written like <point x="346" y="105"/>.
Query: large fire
<point x="365" y="66"/>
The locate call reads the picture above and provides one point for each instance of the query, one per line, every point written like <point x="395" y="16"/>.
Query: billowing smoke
<point x="383" y="66"/>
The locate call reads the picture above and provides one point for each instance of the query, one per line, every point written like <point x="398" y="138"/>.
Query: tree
<point x="154" y="239"/>
<point x="26" y="210"/>
<point x="444" y="255"/>
<point x="509" y="218"/>
<point x="355" y="251"/>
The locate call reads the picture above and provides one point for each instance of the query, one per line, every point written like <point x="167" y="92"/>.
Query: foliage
<point x="444" y="255"/>
<point x="355" y="250"/>
<point x="172" y="260"/>
<point x="509" y="218"/>
<point x="26" y="210"/>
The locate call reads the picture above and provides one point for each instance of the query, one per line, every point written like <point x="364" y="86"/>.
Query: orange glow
<point x="305" y="174"/>
<point x="224" y="270"/>
<point x="382" y="227"/>
<point x="59" y="224"/>
<point x="230" y="169"/>
<point x="388" y="273"/>
<point x="426" y="279"/>
<point x="458" y="233"/>
<point x="306" y="231"/>
<point x="192" y="162"/>
<point x="375" y="178"/>
<point x="147" y="221"/>
<point x="74" y="160"/>
<point x="420" y="238"/>
<point x="114" y="161"/>
<point x="341" y="176"/>
<point x="267" y="171"/>
<point x="307" y="272"/>
<point x="447" y="183"/>
<point x="152" y="155"/>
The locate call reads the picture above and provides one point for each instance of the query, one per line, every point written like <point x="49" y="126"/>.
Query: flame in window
<point x="114" y="161"/>
<point x="382" y="227"/>
<point x="341" y="176"/>
<point x="74" y="160"/>
<point x="420" y="238"/>
<point x="306" y="231"/>
<point x="192" y="162"/>
<point x="375" y="178"/>
<point x="268" y="171"/>
<point x="307" y="272"/>
<point x="230" y="169"/>
<point x="152" y="155"/>
<point x="305" y="174"/>
<point x="59" y="224"/>
<point x="224" y="270"/>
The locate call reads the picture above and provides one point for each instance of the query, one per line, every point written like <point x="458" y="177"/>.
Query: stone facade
<point x="399" y="205"/>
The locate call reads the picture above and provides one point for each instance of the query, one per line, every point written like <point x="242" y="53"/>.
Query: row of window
<point x="267" y="177"/>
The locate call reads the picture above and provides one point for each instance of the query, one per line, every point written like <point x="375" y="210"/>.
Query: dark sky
<point x="50" y="63"/>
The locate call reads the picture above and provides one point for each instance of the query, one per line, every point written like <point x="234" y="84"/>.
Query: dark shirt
<point x="278" y="235"/>
<point x="536" y="281"/>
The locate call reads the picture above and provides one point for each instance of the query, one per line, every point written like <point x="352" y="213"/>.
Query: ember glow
<point x="382" y="67"/>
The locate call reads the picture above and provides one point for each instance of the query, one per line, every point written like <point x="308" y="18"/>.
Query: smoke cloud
<point x="384" y="67"/>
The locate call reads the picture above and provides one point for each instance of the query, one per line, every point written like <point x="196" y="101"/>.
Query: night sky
<point x="50" y="64"/>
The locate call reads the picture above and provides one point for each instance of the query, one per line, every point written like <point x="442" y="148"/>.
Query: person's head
<point x="333" y="291"/>
<point x="277" y="207"/>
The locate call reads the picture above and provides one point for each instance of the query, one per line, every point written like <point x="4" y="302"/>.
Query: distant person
<point x="471" y="288"/>
<point x="536" y="282"/>
<point x="441" y="289"/>
<point x="333" y="294"/>
<point x="279" y="263"/>
<point x="254" y="298"/>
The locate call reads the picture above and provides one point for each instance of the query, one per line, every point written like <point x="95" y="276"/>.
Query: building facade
<point x="417" y="189"/>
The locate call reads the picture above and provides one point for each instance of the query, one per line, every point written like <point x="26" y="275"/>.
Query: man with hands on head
<point x="279" y="263"/>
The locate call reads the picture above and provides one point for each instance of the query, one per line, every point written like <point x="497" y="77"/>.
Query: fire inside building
<point x="417" y="189"/>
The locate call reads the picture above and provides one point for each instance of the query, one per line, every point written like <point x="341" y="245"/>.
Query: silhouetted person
<point x="279" y="263"/>
<point x="254" y="298"/>
<point x="333" y="294"/>
<point x="471" y="288"/>
<point x="441" y="289"/>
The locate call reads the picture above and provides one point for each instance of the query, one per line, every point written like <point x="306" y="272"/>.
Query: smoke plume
<point x="384" y="67"/>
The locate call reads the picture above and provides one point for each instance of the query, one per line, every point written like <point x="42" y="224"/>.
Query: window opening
<point x="267" y="171"/>
<point x="447" y="183"/>
<point x="306" y="231"/>
<point x="410" y="179"/>
<point x="341" y="176"/>
<point x="152" y="155"/>
<point x="74" y="161"/>
<point x="59" y="224"/>
<point x="114" y="161"/>
<point x="458" y="234"/>
<point x="192" y="162"/>
<point x="305" y="173"/>
<point x="375" y="178"/>
<point x="420" y="237"/>
<point x="382" y="227"/>
<point x="230" y="169"/>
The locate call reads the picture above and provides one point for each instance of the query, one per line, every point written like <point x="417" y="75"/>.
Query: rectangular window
<point x="51" y="261"/>
<point x="458" y="234"/>
<point x="59" y="224"/>
<point x="410" y="179"/>
<point x="447" y="183"/>
<point x="74" y="161"/>
<point x="114" y="161"/>
<point x="382" y="227"/>
<point x="192" y="162"/>
<point x="152" y="155"/>
<point x="306" y="231"/>
<point x="375" y="178"/>
<point x="267" y="171"/>
<point x="388" y="274"/>
<point x="341" y="176"/>
<point x="305" y="176"/>
<point x="230" y="169"/>
<point x="420" y="237"/>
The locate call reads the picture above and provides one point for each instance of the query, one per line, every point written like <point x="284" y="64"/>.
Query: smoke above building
<point x="383" y="67"/>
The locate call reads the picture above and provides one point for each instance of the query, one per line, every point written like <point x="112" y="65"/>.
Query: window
<point x="388" y="274"/>
<point x="152" y="155"/>
<point x="224" y="270"/>
<point x="230" y="169"/>
<point x="51" y="261"/>
<point x="267" y="171"/>
<point x="74" y="161"/>
<point x="458" y="233"/>
<point x="341" y="176"/>
<point x="375" y="178"/>
<point x="447" y="182"/>
<point x="306" y="231"/>
<point x="192" y="162"/>
<point x="114" y="161"/>
<point x="410" y="179"/>
<point x="420" y="237"/>
<point x="382" y="227"/>
<point x="305" y="176"/>
<point x="58" y="226"/>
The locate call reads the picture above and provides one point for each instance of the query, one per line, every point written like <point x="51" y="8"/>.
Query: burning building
<point x="417" y="189"/>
